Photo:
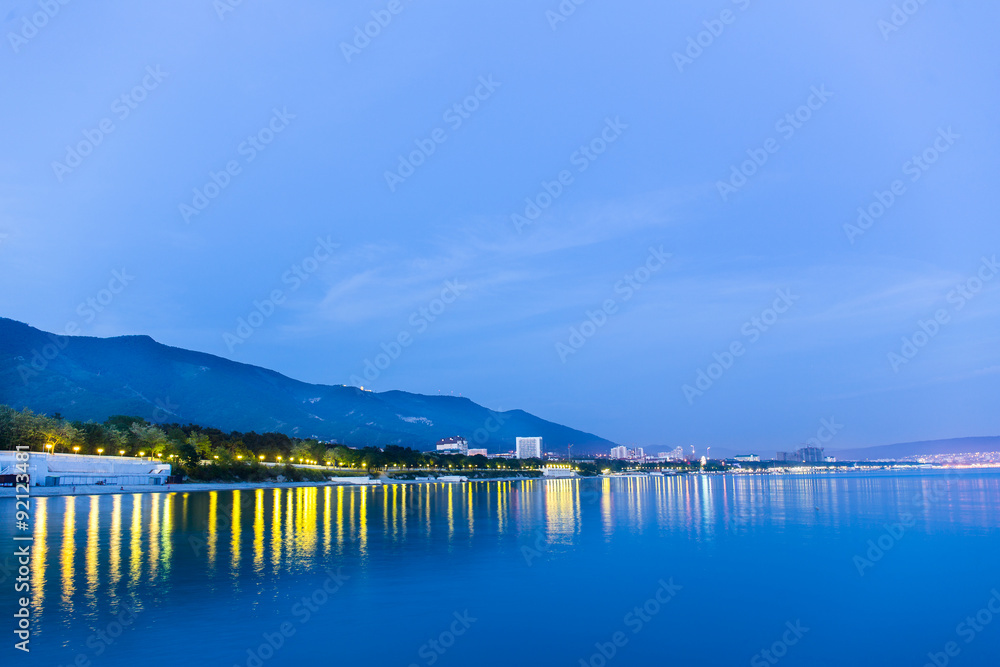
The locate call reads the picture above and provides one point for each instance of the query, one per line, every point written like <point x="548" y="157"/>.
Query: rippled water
<point x="699" y="570"/>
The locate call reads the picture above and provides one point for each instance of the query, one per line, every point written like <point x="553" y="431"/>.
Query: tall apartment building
<point x="529" y="448"/>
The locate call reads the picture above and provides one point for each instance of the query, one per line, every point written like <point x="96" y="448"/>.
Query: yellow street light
<point x="239" y="457"/>
<point x="121" y="452"/>
<point x="76" y="450"/>
<point x="261" y="457"/>
<point x="100" y="451"/>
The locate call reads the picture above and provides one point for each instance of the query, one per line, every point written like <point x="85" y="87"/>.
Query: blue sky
<point x="641" y="139"/>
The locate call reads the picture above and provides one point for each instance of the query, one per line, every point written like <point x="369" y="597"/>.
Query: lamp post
<point x="121" y="452"/>
<point x="76" y="449"/>
<point x="100" y="450"/>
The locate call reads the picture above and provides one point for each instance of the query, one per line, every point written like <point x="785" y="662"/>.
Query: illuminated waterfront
<point x="207" y="574"/>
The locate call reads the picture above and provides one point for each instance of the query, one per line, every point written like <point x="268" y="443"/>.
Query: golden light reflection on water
<point x="562" y="508"/>
<point x="340" y="519"/>
<point x="699" y="507"/>
<point x="166" y="531"/>
<point x="40" y="551"/>
<point x="68" y="554"/>
<point x="154" y="533"/>
<point x="115" y="560"/>
<point x="236" y="530"/>
<point x="451" y="511"/>
<point x="93" y="545"/>
<point x="363" y="522"/>
<point x="135" y="551"/>
<point x="213" y="522"/>
<point x="276" y="530"/>
<point x="327" y="493"/>
<point x="258" y="532"/>
<point x="470" y="505"/>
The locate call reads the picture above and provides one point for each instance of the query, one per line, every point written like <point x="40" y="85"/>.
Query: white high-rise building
<point x="529" y="448"/>
<point x="620" y="452"/>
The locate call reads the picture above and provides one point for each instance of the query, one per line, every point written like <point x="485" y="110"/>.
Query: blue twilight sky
<point x="202" y="85"/>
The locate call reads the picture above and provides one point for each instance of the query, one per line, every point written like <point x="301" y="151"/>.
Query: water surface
<point x="878" y="569"/>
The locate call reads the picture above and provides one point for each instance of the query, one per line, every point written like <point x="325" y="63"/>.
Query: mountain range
<point x="87" y="378"/>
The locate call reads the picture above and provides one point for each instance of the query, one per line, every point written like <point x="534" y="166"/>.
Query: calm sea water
<point x="884" y="569"/>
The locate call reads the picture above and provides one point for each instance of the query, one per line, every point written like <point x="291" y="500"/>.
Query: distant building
<point x="811" y="454"/>
<point x="747" y="458"/>
<point x="456" y="445"/>
<point x="477" y="452"/>
<point x="803" y="455"/>
<point x="529" y="448"/>
<point x="558" y="470"/>
<point x="638" y="454"/>
<point x="676" y="454"/>
<point x="620" y="452"/>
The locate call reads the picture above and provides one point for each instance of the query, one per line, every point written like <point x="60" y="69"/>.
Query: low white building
<point x="455" y="445"/>
<point x="558" y="470"/>
<point x="619" y="452"/>
<point x="81" y="469"/>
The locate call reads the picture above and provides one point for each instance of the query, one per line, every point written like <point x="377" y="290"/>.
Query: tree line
<point x="190" y="444"/>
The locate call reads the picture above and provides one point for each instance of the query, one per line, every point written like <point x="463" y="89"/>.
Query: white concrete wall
<point x="41" y="465"/>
